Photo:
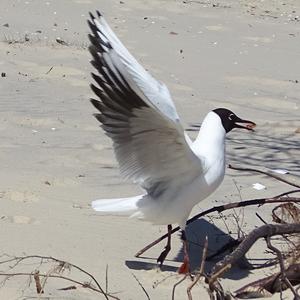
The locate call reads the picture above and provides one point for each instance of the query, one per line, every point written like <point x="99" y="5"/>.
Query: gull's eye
<point x="231" y="116"/>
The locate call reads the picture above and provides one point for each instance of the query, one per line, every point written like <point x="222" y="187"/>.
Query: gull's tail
<point x="121" y="206"/>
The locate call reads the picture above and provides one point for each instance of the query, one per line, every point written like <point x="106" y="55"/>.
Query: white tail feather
<point x="121" y="206"/>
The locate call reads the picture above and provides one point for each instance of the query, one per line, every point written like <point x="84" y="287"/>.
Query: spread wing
<point x="137" y="113"/>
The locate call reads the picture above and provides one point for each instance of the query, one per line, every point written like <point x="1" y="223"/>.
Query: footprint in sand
<point x="17" y="196"/>
<point x="61" y="182"/>
<point x="20" y="220"/>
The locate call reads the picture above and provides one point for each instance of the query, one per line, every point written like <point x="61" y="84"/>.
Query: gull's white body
<point x="149" y="142"/>
<point x="175" y="205"/>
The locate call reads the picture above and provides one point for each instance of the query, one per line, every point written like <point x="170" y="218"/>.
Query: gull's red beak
<point x="245" y="124"/>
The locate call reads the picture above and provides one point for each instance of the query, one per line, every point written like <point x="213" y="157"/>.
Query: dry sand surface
<point x="243" y="55"/>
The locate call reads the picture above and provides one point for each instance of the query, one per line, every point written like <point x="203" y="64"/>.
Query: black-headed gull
<point x="137" y="112"/>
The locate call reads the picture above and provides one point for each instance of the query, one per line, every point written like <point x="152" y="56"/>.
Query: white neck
<point x="210" y="142"/>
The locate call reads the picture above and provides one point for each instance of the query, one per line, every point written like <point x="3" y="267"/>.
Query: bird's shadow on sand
<point x="196" y="233"/>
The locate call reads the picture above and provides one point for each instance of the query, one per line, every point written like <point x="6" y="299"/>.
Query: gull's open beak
<point x="249" y="125"/>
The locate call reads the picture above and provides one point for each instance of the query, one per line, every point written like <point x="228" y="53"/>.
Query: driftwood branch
<point x="266" y="286"/>
<point x="261" y="201"/>
<point x="261" y="232"/>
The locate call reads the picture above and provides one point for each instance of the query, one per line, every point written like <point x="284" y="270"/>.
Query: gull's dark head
<point x="230" y="120"/>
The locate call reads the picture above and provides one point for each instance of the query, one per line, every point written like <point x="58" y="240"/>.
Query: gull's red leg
<point x="185" y="267"/>
<point x="167" y="249"/>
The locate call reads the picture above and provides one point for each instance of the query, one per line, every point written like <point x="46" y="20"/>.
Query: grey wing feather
<point x="155" y="91"/>
<point x="149" y="143"/>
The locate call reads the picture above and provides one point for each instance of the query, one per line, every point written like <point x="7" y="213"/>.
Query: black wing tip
<point x="91" y="24"/>
<point x="94" y="76"/>
<point x="91" y="38"/>
<point x="97" y="91"/>
<point x="92" y="48"/>
<point x="96" y="54"/>
<point x="95" y="102"/>
<point x="99" y="15"/>
<point x="99" y="117"/>
<point x="95" y="43"/>
<point x="92" y="16"/>
<point x="97" y="78"/>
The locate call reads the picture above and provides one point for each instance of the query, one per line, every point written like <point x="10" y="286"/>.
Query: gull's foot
<point x="185" y="267"/>
<point x="163" y="255"/>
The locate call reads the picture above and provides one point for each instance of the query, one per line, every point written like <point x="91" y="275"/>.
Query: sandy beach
<point x="243" y="55"/>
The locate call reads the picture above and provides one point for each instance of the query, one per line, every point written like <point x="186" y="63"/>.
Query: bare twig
<point x="82" y="284"/>
<point x="219" y="272"/>
<point x="292" y="179"/>
<point x="216" y="288"/>
<point x="236" y="216"/>
<point x="49" y="70"/>
<point x="68" y="288"/>
<point x="38" y="285"/>
<point x="61" y="262"/>
<point x="201" y="270"/>
<point x="106" y="279"/>
<point x="176" y="284"/>
<point x="204" y="254"/>
<point x="220" y="208"/>
<point x="289" y="212"/>
<point x="62" y="266"/>
<point x="262" y="220"/>
<point x="282" y="268"/>
<point x="142" y="287"/>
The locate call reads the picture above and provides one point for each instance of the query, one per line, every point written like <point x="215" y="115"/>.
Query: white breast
<point x="175" y="206"/>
